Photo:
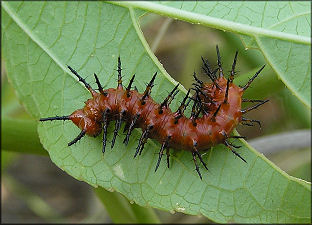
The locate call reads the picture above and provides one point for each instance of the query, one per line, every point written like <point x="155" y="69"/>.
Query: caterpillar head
<point x="81" y="120"/>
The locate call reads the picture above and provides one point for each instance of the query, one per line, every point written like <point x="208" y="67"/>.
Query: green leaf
<point x="40" y="38"/>
<point x="281" y="30"/>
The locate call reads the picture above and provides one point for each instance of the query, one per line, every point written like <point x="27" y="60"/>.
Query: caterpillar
<point x="216" y="111"/>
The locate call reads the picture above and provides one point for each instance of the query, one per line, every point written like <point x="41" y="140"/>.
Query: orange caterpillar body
<point x="215" y="113"/>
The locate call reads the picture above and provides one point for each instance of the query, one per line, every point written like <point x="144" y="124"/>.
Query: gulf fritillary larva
<point x="218" y="103"/>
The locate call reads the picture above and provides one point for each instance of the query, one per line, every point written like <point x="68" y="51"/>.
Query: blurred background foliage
<point x="30" y="196"/>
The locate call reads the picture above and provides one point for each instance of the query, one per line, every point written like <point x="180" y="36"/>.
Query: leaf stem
<point x="121" y="211"/>
<point x="20" y="136"/>
<point x="164" y="27"/>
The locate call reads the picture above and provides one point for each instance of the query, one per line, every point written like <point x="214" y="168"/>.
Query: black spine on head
<point x="82" y="133"/>
<point x="54" y="118"/>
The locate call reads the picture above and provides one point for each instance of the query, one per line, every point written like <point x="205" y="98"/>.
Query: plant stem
<point x="20" y="136"/>
<point x="121" y="211"/>
<point x="164" y="27"/>
<point x="270" y="144"/>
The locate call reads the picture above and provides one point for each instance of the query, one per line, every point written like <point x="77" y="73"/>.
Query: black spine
<point x="168" y="99"/>
<point x="99" y="84"/>
<point x="82" y="133"/>
<point x="119" y="73"/>
<point x="253" y="107"/>
<point x="148" y="89"/>
<point x="105" y="125"/>
<point x="252" y="79"/>
<point x="117" y="127"/>
<point x="219" y="62"/>
<point x="161" y="152"/>
<point x="81" y="79"/>
<point x="55" y="118"/>
<point x="134" y="120"/>
<point x="196" y="166"/>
